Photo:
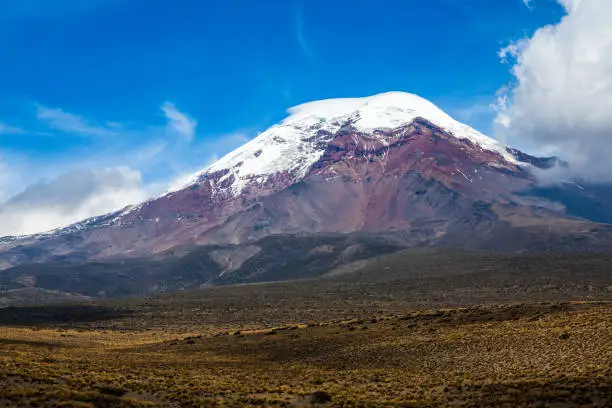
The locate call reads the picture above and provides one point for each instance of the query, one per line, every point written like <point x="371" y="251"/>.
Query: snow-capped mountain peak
<point x="296" y="143"/>
<point x="391" y="164"/>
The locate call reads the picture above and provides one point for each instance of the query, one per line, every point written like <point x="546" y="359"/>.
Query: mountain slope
<point x="392" y="166"/>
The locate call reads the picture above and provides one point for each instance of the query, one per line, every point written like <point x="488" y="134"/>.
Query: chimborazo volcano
<point x="337" y="181"/>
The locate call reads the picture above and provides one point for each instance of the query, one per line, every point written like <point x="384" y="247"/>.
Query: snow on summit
<point x="288" y="146"/>
<point x="387" y="111"/>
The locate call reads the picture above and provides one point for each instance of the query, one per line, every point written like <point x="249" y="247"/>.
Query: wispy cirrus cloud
<point x="180" y="123"/>
<point x="58" y="119"/>
<point x="300" y="34"/>
<point x="10" y="130"/>
<point x="122" y="165"/>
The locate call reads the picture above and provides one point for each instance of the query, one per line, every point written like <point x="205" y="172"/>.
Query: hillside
<point x="391" y="170"/>
<point x="420" y="328"/>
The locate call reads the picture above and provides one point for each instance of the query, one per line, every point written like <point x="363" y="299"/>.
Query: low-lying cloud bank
<point x="72" y="197"/>
<point x="109" y="177"/>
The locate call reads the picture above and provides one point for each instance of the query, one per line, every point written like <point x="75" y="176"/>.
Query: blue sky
<point x="162" y="87"/>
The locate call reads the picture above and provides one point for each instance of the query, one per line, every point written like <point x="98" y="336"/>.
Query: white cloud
<point x="69" y="198"/>
<point x="58" y="119"/>
<point x="7" y="130"/>
<point x="300" y="34"/>
<point x="179" y="122"/>
<point x="561" y="100"/>
<point x="571" y="5"/>
<point x="167" y="154"/>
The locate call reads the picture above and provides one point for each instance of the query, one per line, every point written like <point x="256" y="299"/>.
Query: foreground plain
<point x="445" y="329"/>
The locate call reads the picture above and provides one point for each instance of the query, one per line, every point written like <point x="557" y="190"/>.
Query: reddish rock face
<point x="417" y="180"/>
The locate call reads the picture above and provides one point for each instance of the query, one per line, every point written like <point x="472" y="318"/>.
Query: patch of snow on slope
<point x="289" y="145"/>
